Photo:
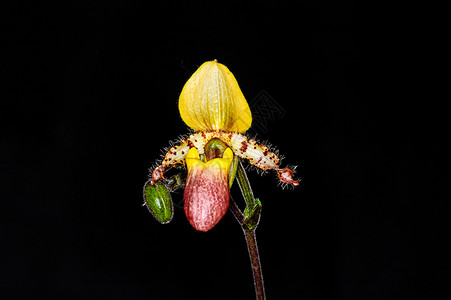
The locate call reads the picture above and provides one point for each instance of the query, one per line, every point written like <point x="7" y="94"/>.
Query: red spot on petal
<point x="243" y="147"/>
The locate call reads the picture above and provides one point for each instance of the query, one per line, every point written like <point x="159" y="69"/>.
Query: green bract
<point x="159" y="202"/>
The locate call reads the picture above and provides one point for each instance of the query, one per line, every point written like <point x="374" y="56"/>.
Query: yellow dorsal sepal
<point x="212" y="100"/>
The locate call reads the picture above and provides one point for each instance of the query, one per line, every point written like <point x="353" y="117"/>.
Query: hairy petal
<point x="175" y="155"/>
<point x="258" y="155"/>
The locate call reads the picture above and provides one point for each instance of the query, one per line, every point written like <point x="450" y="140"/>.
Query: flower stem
<point x="236" y="211"/>
<point x="252" y="247"/>
<point x="245" y="185"/>
<point x="249" y="221"/>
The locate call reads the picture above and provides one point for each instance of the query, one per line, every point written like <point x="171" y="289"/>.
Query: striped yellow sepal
<point x="212" y="100"/>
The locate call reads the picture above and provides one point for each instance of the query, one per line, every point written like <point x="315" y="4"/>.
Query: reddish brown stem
<point x="255" y="262"/>
<point x="252" y="248"/>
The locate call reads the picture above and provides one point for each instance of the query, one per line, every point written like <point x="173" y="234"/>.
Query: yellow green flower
<point x="212" y="104"/>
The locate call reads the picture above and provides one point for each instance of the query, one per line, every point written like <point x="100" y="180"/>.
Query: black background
<point x="91" y="99"/>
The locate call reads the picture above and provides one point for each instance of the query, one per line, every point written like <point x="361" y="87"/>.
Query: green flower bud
<point x="159" y="202"/>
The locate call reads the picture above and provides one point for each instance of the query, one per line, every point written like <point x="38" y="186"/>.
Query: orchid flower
<point x="212" y="104"/>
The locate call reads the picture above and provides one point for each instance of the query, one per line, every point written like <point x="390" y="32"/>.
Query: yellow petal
<point x="193" y="160"/>
<point x="212" y="100"/>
